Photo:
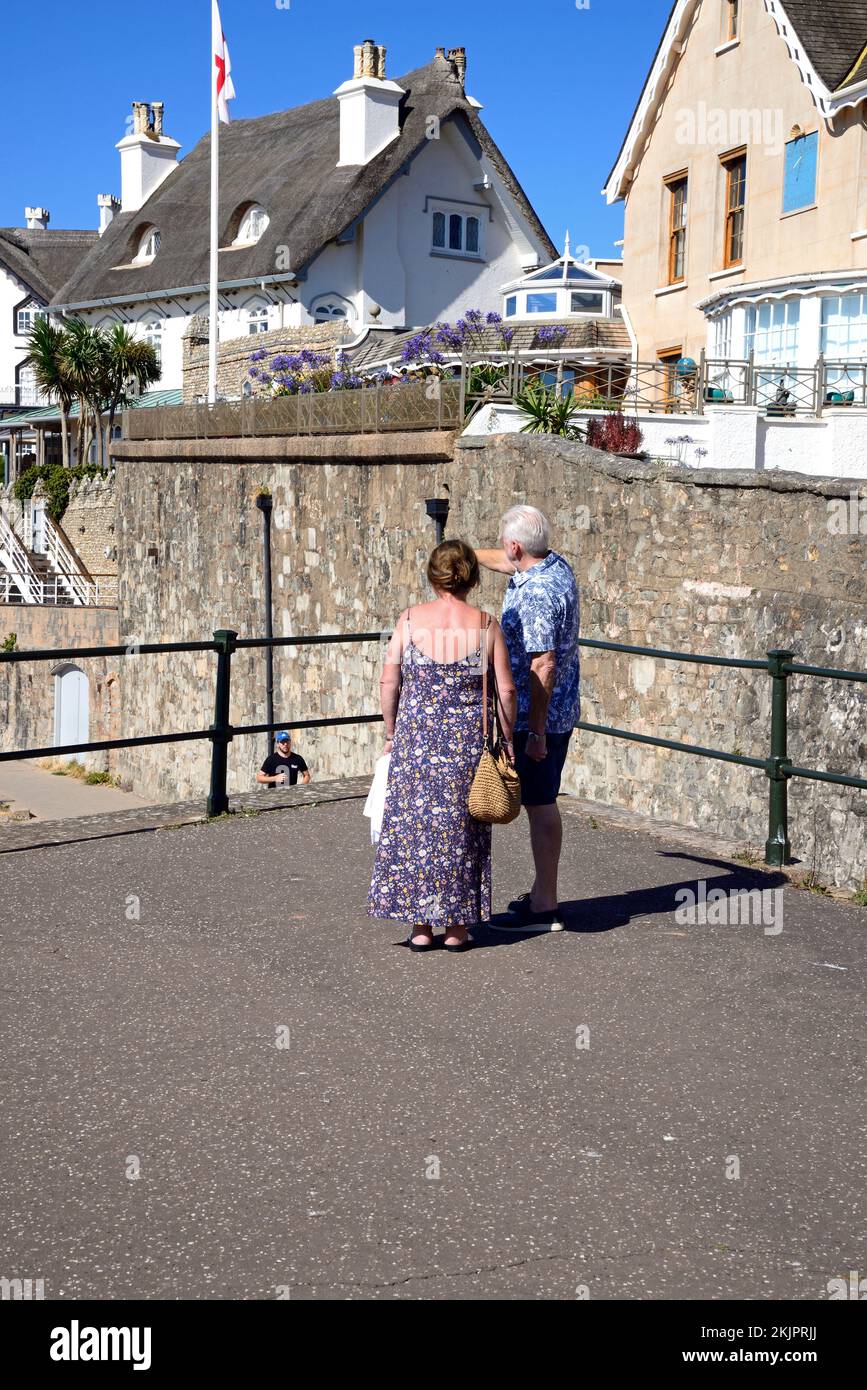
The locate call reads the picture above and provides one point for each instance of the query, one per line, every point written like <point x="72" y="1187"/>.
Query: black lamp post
<point x="265" y="503"/>
<point x="438" y="509"/>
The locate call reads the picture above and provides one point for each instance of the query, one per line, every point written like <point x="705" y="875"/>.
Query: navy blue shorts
<point x="540" y="781"/>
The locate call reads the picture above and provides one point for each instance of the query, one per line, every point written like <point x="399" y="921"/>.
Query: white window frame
<point x="788" y="333"/>
<point x="151" y="331"/>
<point x="257" y="319"/>
<point x="857" y="352"/>
<point x="330" y="301"/>
<point x="465" y="213"/>
<point x="254" y="224"/>
<point x="32" y="313"/>
<point x="148" y="246"/>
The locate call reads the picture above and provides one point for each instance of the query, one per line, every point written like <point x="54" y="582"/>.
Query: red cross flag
<point x="224" y="90"/>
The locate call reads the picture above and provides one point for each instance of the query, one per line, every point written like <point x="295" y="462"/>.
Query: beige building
<point x="744" y="173"/>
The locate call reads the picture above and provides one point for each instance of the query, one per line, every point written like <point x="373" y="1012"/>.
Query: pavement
<point x="26" y="787"/>
<point x="222" y="1080"/>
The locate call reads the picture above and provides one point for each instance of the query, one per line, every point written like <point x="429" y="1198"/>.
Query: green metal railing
<point x="779" y="665"/>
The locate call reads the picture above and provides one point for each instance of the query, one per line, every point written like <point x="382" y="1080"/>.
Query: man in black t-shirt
<point x="281" y="768"/>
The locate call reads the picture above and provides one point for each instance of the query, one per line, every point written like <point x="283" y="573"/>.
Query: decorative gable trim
<point x="671" y="47"/>
<point x="827" y="102"/>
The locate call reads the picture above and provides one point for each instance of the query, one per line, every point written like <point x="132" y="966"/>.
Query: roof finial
<point x="567" y="252"/>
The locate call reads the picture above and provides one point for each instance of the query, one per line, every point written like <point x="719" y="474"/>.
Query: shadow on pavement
<point x="618" y="910"/>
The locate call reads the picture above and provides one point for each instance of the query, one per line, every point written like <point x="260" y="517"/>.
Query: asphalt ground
<point x="221" y="1080"/>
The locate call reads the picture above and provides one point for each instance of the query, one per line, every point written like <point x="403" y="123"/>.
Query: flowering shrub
<point x="615" y="434"/>
<point x="425" y="349"/>
<point x="300" y="373"/>
<point x="552" y="333"/>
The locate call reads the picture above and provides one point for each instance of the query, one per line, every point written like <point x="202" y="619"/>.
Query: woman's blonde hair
<point x="453" y="568"/>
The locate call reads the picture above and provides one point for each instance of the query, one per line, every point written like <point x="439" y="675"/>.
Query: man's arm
<point x="495" y="560"/>
<point x="543" y="678"/>
<point x="304" y="770"/>
<point x="267" y="778"/>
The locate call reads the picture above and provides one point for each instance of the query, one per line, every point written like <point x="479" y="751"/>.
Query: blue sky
<point x="558" y="84"/>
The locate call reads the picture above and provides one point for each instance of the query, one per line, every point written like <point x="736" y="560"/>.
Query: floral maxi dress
<point x="433" y="861"/>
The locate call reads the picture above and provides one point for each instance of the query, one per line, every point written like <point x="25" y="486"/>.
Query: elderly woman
<point x="433" y="862"/>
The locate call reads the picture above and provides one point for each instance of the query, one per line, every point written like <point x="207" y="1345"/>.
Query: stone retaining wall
<point x="27" y="689"/>
<point x="716" y="562"/>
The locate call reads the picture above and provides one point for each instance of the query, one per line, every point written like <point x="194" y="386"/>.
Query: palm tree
<point x="45" y="348"/>
<point x="82" y="357"/>
<point x="127" y="361"/>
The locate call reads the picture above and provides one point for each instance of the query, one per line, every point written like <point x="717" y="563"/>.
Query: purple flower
<point x="493" y="319"/>
<point x="507" y="334"/>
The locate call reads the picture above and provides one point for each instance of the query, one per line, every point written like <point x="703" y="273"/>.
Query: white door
<point x="71" y="716"/>
<point x="38" y="528"/>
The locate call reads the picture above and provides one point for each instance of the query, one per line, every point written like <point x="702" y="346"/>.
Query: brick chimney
<point x="37" y="218"/>
<point x="458" y="59"/>
<point x="147" y="156"/>
<point x="369" y="107"/>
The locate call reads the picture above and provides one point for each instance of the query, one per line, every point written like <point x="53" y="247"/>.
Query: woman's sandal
<point x="458" y="945"/>
<point x="419" y="945"/>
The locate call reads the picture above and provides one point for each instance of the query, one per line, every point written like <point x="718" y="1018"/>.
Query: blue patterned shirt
<point x="540" y="614"/>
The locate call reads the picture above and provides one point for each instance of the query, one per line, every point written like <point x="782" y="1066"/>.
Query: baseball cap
<point x="282" y="737"/>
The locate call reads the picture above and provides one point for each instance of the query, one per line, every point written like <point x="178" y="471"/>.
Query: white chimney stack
<point x="37" y="217"/>
<point x="108" y="206"/>
<point x="369" y="108"/>
<point x="147" y="157"/>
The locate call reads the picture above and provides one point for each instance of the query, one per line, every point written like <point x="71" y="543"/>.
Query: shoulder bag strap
<point x="483" y="644"/>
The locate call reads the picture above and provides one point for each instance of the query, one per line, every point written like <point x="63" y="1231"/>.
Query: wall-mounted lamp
<point x="437" y="509"/>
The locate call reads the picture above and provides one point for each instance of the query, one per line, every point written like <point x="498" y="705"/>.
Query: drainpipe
<point x="265" y="503"/>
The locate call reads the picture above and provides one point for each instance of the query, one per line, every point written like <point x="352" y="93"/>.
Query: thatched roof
<point x="43" y="259"/>
<point x="287" y="162"/>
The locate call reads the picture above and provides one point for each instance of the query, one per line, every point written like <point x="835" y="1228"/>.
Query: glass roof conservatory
<point x="565" y="290"/>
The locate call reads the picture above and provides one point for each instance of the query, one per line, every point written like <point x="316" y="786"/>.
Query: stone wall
<point x="89" y="524"/>
<point x="27" y="689"/>
<point x="717" y="562"/>
<point x="233" y="356"/>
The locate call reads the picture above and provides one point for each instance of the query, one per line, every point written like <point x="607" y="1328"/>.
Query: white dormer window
<point x="457" y="233"/>
<point x="257" y="320"/>
<point x="253" y="224"/>
<point x="148" y="246"/>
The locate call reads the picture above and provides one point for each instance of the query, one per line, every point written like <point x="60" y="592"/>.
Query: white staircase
<point x="48" y="575"/>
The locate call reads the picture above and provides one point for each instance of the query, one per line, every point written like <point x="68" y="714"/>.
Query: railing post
<point x="778" y="850"/>
<point x="701" y="384"/>
<point x="820" y="385"/>
<point x="218" y="800"/>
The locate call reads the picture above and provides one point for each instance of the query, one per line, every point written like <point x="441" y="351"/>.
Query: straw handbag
<point x="495" y="795"/>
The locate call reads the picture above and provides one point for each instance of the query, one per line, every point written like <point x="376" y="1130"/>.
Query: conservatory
<point x="565" y="291"/>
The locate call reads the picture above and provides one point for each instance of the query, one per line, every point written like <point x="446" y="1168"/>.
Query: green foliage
<point x="99" y="779"/>
<point x="547" y="412"/>
<point x="56" y="481"/>
<point x="9" y="643"/>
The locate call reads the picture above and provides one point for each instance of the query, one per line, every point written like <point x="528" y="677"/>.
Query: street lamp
<point x="265" y="503"/>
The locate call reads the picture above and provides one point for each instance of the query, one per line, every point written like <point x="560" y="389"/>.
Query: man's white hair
<point x="529" y="527"/>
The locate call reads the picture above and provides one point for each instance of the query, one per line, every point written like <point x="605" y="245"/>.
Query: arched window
<point x="152" y="333"/>
<point x="330" y="308"/>
<point x="257" y="319"/>
<point x="148" y="246"/>
<point x="253" y="224"/>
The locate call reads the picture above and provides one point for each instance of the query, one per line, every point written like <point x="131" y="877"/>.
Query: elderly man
<point x="540" y="624"/>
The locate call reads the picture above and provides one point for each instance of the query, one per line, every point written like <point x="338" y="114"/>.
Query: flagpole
<point x="213" y="329"/>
